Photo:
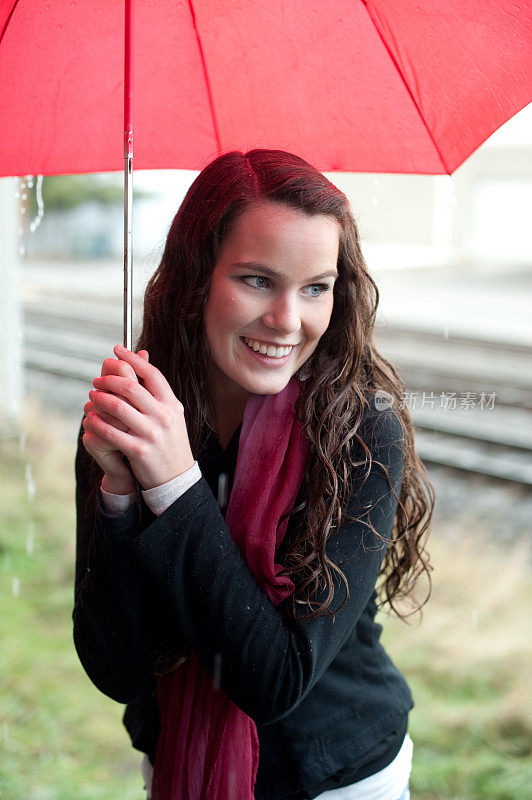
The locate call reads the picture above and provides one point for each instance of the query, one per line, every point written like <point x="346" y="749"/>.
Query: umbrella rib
<point x="8" y="20"/>
<point x="206" y="74"/>
<point x="405" y="83"/>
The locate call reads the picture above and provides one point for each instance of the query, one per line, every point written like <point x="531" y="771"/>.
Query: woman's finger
<point x="90" y="406"/>
<point x="116" y="366"/>
<point x="117" y="408"/>
<point x="153" y="379"/>
<point x="111" y="436"/>
<point x="125" y="389"/>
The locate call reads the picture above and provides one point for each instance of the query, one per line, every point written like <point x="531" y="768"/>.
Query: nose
<point x="283" y="313"/>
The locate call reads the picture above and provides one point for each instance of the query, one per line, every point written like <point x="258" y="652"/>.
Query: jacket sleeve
<point x="114" y="598"/>
<point x="266" y="662"/>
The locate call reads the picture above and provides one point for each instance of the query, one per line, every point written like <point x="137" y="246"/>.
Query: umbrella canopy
<point x="374" y="86"/>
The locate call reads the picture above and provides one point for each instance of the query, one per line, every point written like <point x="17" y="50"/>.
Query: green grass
<point x="60" y="738"/>
<point x="468" y="662"/>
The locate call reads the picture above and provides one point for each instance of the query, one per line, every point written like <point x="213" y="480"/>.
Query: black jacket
<point x="329" y="704"/>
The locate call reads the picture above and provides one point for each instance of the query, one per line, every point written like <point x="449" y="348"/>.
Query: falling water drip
<point x="375" y="199"/>
<point x="21" y="195"/>
<point x="452" y="190"/>
<point x="30" y="539"/>
<point x="40" y="204"/>
<point x="217" y="671"/>
<point x="30" y="483"/>
<point x="16" y="587"/>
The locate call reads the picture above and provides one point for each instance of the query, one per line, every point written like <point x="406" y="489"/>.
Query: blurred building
<point x="480" y="215"/>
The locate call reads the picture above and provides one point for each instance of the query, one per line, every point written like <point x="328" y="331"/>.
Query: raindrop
<point x="222" y="489"/>
<point x="375" y="199"/>
<point x="16" y="587"/>
<point x="24" y="196"/>
<point x="22" y="184"/>
<point x="17" y="195"/>
<point x="30" y="181"/>
<point x="29" y="539"/>
<point x="30" y="483"/>
<point x="452" y="190"/>
<point x="217" y="671"/>
<point x="22" y="210"/>
<point x="40" y="205"/>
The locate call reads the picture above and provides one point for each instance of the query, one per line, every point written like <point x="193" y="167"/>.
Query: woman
<point x="242" y="483"/>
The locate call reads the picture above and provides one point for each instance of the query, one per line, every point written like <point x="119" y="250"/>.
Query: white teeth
<point x="269" y="350"/>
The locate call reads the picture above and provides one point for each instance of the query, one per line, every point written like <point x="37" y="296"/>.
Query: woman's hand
<point x="144" y="422"/>
<point x="117" y="478"/>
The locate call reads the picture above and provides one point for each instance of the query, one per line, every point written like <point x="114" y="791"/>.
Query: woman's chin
<point x="269" y="384"/>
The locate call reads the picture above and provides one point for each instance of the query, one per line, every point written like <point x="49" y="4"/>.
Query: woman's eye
<point x="247" y="278"/>
<point x="321" y="287"/>
<point x="260" y="282"/>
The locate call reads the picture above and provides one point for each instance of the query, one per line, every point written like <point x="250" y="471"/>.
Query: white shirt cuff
<point x="115" y="505"/>
<point x="161" y="497"/>
<point x="158" y="499"/>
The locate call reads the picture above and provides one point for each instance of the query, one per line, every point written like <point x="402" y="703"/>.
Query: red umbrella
<point x="376" y="86"/>
<point x="354" y="85"/>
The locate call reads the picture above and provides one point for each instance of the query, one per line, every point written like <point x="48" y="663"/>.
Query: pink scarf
<point x="208" y="748"/>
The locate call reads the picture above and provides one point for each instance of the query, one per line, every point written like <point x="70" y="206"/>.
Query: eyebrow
<point x="275" y="274"/>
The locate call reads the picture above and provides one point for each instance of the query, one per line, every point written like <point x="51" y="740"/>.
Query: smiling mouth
<point x="269" y="350"/>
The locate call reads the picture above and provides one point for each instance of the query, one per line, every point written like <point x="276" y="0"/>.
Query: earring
<point x="304" y="372"/>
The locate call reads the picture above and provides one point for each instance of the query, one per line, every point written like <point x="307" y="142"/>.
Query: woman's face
<point x="272" y="287"/>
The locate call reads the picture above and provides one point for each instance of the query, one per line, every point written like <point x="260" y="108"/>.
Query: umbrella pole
<point x="128" y="176"/>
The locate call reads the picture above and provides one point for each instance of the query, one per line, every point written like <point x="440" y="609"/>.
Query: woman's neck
<point x="229" y="403"/>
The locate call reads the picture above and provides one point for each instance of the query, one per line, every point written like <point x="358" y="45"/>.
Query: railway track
<point x="471" y="400"/>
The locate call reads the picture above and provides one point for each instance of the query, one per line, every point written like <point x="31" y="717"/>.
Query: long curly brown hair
<point x="346" y="367"/>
